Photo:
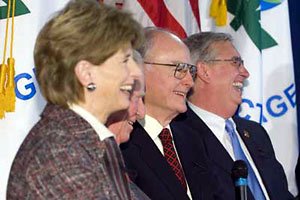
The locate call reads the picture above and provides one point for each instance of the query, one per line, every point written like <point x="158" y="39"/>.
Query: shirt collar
<point x="213" y="121"/>
<point x="152" y="126"/>
<point x="102" y="131"/>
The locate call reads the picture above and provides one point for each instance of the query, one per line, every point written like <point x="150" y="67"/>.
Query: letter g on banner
<point x="276" y="105"/>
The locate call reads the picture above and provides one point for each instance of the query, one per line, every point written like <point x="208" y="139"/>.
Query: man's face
<point x="166" y="95"/>
<point x="227" y="77"/>
<point x="136" y="108"/>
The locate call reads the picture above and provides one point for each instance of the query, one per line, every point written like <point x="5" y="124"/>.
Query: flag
<point x="181" y="17"/>
<point x="30" y="15"/>
<point x="269" y="97"/>
<point x="261" y="33"/>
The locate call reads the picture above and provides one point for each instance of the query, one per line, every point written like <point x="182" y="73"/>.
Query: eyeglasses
<point x="235" y="61"/>
<point x="180" y="70"/>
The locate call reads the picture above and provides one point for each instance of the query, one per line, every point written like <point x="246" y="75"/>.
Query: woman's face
<point x="113" y="81"/>
<point x="136" y="110"/>
<point x="121" y="124"/>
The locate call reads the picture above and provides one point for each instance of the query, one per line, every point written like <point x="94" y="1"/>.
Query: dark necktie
<point x="171" y="156"/>
<point x="240" y="155"/>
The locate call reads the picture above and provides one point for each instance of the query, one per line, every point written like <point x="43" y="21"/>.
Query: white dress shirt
<point x="217" y="125"/>
<point x="153" y="128"/>
<point x="101" y="130"/>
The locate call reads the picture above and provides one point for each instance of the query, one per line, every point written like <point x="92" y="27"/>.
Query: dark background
<point x="295" y="35"/>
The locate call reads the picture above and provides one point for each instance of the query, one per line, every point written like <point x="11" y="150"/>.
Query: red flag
<point x="181" y="17"/>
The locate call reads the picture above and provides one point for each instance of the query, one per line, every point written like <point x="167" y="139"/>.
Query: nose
<point x="141" y="110"/>
<point x="133" y="67"/>
<point x="188" y="79"/>
<point x="243" y="71"/>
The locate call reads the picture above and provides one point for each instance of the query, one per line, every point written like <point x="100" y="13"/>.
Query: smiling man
<point x="153" y="154"/>
<point x="210" y="120"/>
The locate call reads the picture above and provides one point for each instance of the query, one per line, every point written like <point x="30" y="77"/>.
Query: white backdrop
<point x="29" y="103"/>
<point x="271" y="85"/>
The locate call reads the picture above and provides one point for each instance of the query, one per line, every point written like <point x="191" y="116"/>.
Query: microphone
<point x="239" y="174"/>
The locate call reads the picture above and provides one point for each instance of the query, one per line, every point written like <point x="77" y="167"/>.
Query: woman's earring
<point x="91" y="87"/>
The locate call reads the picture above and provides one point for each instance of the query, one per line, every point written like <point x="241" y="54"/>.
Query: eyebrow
<point x="128" y="55"/>
<point x="177" y="61"/>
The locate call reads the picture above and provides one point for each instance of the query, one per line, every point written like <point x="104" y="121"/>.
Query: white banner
<point x="29" y="17"/>
<point x="270" y="96"/>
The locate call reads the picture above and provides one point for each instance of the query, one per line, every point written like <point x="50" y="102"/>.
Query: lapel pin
<point x="246" y="134"/>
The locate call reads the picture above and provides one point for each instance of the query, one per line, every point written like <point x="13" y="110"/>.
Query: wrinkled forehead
<point x="167" y="47"/>
<point x="224" y="49"/>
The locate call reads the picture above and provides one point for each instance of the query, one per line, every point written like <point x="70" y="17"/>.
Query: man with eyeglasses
<point x="210" y="120"/>
<point x="160" y="163"/>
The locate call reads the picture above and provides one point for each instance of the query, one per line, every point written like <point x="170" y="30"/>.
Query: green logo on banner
<point x="247" y="14"/>
<point x="21" y="9"/>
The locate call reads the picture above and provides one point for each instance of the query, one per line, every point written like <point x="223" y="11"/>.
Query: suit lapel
<point x="156" y="162"/>
<point x="214" y="148"/>
<point x="193" y="163"/>
<point x="257" y="152"/>
<point x="185" y="149"/>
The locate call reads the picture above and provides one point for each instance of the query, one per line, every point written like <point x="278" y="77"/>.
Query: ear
<point x="83" y="71"/>
<point x="203" y="71"/>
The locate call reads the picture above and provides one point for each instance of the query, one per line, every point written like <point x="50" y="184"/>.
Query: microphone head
<point x="239" y="170"/>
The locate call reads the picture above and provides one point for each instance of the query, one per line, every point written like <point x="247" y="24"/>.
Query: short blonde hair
<point x="83" y="30"/>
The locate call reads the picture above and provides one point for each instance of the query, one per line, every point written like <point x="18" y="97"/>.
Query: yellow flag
<point x="218" y="11"/>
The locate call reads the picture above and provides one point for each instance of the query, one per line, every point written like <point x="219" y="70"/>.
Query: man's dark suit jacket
<point x="259" y="146"/>
<point x="298" y="174"/>
<point x="63" y="158"/>
<point x="151" y="172"/>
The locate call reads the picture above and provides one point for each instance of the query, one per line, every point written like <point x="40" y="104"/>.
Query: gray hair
<point x="200" y="44"/>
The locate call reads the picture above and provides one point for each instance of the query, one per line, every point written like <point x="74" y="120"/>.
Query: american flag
<point x="181" y="17"/>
